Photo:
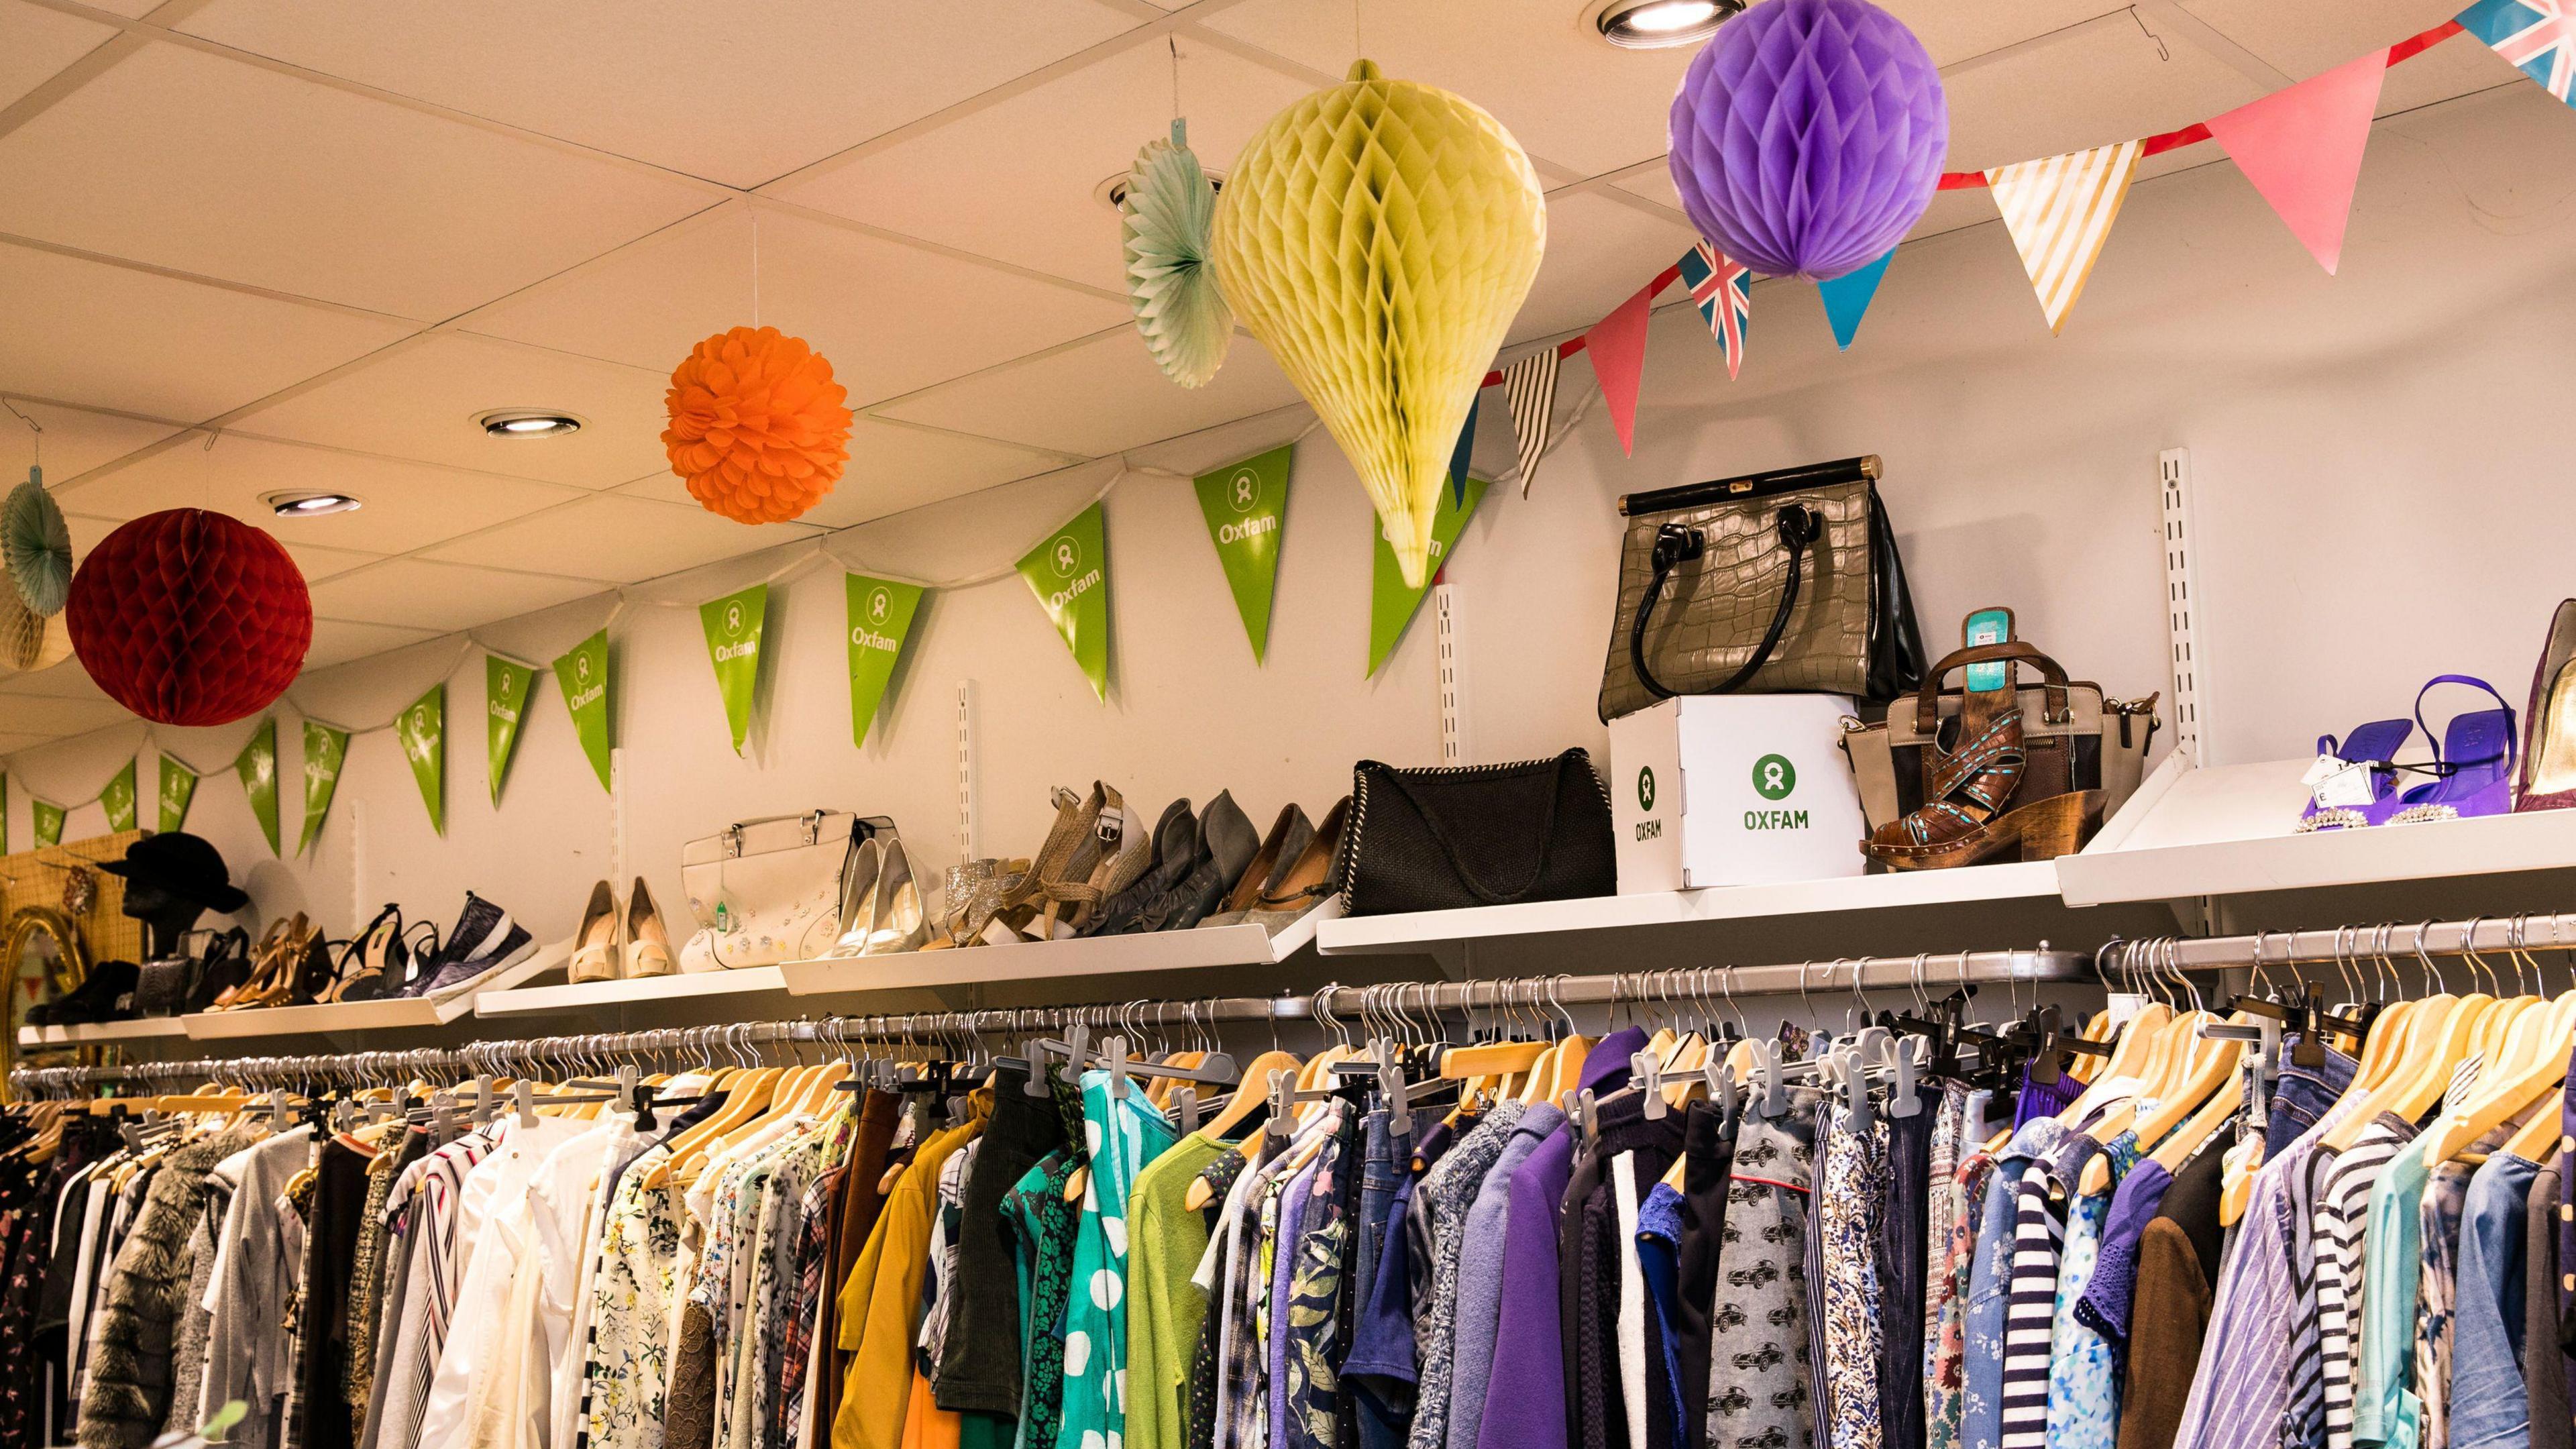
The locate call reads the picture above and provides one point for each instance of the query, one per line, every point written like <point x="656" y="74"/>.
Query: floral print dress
<point x="632" y="1297"/>
<point x="2083" y="1384"/>
<point x="1853" y="1185"/>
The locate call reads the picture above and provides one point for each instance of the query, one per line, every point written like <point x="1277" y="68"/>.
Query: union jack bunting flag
<point x="2538" y="37"/>
<point x="1723" y="292"/>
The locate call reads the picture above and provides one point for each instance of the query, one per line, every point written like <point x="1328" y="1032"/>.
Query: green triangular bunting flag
<point x="118" y="799"/>
<point x="506" y="683"/>
<point x="49" y="822"/>
<point x="422" y="728"/>
<point x="1069" y="572"/>
<point x="178" y="791"/>
<point x="326" y="750"/>
<point x="881" y="613"/>
<point x="257" y="766"/>
<point x="1391" y="604"/>
<point x="732" y="625"/>
<point x="1246" y="506"/>
<point x="583" y="677"/>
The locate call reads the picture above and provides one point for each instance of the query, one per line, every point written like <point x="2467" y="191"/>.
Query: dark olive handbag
<point x="1772" y="583"/>
<point x="1476" y="835"/>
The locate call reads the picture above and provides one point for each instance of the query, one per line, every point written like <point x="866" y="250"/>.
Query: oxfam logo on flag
<point x="1067" y="557"/>
<point x="879" y="605"/>
<point x="1243" y="490"/>
<point x="1645" y="789"/>
<point x="1774" y="777"/>
<point x="581" y="667"/>
<point x="733" y="619"/>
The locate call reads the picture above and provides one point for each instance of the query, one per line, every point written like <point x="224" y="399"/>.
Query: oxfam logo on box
<point x="1774" y="777"/>
<point x="1646" y="789"/>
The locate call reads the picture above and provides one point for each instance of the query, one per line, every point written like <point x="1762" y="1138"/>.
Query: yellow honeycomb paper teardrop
<point x="1378" y="237"/>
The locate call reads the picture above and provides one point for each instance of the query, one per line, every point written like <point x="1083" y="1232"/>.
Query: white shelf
<point x="86" y="1033"/>
<point x="1416" y="931"/>
<point x="390" y="1014"/>
<point x="2232" y="829"/>
<point x="588" y="996"/>
<point x="1044" y="960"/>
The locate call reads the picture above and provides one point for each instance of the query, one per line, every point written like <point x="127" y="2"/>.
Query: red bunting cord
<point x="2191" y="135"/>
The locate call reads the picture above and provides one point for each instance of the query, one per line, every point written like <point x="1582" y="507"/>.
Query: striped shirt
<point x="2342" y="1213"/>
<point x="2242" y="1389"/>
<point x="2039" y="1238"/>
<point x="426" y="1206"/>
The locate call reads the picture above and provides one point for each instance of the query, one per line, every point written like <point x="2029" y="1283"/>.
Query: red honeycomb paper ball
<point x="190" y="618"/>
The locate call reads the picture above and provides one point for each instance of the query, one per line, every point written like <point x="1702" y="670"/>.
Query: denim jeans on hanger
<point x="2303" y="1095"/>
<point x="1380" y="1170"/>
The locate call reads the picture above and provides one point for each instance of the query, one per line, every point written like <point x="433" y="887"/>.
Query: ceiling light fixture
<point x="1113" y="192"/>
<point x="299" y="504"/>
<point x="527" y="423"/>
<point x="1655" y="24"/>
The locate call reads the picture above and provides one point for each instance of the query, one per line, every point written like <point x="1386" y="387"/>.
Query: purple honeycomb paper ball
<point x="1807" y="136"/>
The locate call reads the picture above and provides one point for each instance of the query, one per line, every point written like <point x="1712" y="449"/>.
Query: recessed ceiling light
<point x="1654" y="24"/>
<point x="527" y="423"/>
<point x="300" y="504"/>
<point x="1111" y="192"/>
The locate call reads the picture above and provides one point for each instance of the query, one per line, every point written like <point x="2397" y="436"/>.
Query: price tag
<point x="2340" y="783"/>
<point x="2125" y="1006"/>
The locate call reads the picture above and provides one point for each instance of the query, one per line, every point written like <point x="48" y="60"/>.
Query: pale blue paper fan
<point x="1165" y="218"/>
<point x="36" y="545"/>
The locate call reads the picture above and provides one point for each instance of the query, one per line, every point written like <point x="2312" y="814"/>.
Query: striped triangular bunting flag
<point x="1529" y="389"/>
<point x="1722" y="289"/>
<point x="2059" y="211"/>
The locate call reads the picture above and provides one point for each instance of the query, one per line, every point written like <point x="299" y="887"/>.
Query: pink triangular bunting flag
<point x="2301" y="147"/>
<point x="1618" y="347"/>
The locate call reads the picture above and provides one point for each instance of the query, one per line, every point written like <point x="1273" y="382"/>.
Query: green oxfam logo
<point x="1645" y="789"/>
<point x="1774" y="777"/>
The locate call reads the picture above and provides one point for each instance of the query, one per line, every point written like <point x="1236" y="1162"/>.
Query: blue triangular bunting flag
<point x="1847" y="296"/>
<point x="2537" y="36"/>
<point x="1458" y="455"/>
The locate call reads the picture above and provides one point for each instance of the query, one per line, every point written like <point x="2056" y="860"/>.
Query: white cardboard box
<point x="1739" y="789"/>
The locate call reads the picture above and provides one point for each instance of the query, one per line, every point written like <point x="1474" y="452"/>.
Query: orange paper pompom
<point x="757" y="426"/>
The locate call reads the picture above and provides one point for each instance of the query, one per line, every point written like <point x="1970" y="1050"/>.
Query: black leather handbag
<point x="1477" y="835"/>
<point x="1772" y="583"/>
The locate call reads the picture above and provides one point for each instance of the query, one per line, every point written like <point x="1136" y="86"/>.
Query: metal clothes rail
<point x="1330" y="1005"/>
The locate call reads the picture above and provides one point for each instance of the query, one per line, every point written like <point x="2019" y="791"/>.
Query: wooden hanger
<point x="2505" y="1090"/>
<point x="2420" y="1082"/>
<point x="2210" y="1066"/>
<point x="1247" y="1099"/>
<point x="746" y="1094"/>
<point x="2537" y="1139"/>
<point x="2135" y="1044"/>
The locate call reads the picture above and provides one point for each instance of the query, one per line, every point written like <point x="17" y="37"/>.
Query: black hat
<point x="183" y="865"/>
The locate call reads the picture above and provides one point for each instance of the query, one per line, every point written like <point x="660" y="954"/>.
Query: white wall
<point x="2379" y="461"/>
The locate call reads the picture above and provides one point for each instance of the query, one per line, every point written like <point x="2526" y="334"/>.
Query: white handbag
<point x="770" y="890"/>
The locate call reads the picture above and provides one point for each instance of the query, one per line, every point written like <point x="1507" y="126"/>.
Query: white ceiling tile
<point x="12" y="743"/>
<point x="421" y="594"/>
<point x="1599" y="252"/>
<point x="405" y="504"/>
<point x="130" y="9"/>
<point x="49" y="715"/>
<point x="1957" y="30"/>
<point x="736" y="93"/>
<point x="114" y="337"/>
<point x="2305" y="37"/>
<point x="41" y="42"/>
<point x="421" y="401"/>
<point x="337" y="641"/>
<point x="622" y="539"/>
<point x="75" y="440"/>
<point x="2094" y="85"/>
<point x="893" y="467"/>
<point x="1017" y="179"/>
<point x="1100" y="397"/>
<point x="890" y="317"/>
<point x="1535" y="64"/>
<point x="228" y="170"/>
<point x="66" y="680"/>
<point x="318" y="563"/>
<point x="1654" y="184"/>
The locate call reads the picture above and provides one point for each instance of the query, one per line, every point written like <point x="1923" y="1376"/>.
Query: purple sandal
<point x="2374" y="744"/>
<point x="2474" y="767"/>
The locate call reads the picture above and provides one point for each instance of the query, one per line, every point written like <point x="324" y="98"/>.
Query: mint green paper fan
<point x="36" y="546"/>
<point x="1164" y="219"/>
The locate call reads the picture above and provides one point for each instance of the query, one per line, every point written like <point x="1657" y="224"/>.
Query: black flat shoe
<point x="1227" y="844"/>
<point x="1176" y="838"/>
<point x="106" y="994"/>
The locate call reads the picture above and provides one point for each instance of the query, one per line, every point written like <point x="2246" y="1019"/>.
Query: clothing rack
<point x="2364" y="946"/>
<point x="1329" y="1005"/>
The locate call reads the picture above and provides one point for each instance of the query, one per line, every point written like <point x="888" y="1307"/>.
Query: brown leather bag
<point x="2072" y="737"/>
<point x="1773" y="583"/>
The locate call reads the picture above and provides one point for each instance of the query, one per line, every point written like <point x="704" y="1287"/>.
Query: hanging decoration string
<point x="38" y="428"/>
